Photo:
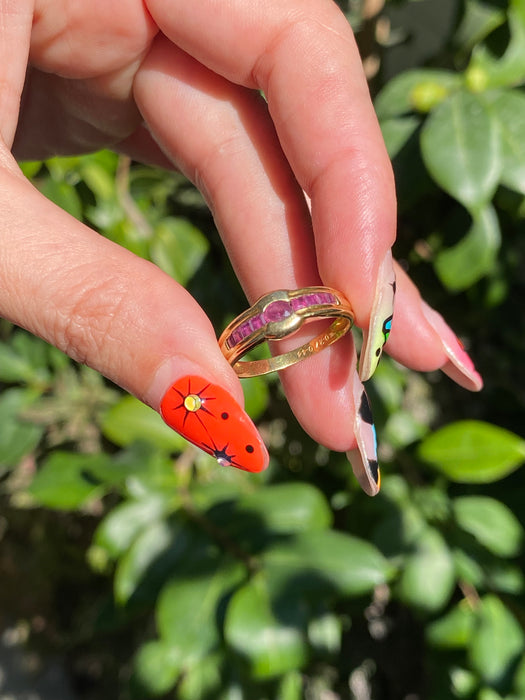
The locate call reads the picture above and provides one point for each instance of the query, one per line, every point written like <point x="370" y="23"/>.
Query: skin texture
<point x="177" y="84"/>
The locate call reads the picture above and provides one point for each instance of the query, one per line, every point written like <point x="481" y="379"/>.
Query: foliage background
<point x="135" y="567"/>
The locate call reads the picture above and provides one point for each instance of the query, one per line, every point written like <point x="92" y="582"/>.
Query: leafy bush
<point x="293" y="583"/>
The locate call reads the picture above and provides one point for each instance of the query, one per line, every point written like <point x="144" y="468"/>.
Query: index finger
<point x="304" y="58"/>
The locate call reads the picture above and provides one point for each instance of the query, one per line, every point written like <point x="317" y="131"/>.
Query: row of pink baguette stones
<point x="278" y="311"/>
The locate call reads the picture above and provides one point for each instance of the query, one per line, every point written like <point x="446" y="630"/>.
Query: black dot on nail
<point x="250" y="448"/>
<point x="378" y="352"/>
<point x="225" y="416"/>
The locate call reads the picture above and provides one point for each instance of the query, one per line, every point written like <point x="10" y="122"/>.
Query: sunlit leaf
<point x="327" y="560"/>
<point x="187" y="611"/>
<point x="473" y="452"/>
<point x="203" y="679"/>
<point x="272" y="644"/>
<point x="497" y="642"/>
<point x="400" y="95"/>
<point x="290" y="507"/>
<point x="397" y="132"/>
<point x="256" y="396"/>
<point x="63" y="194"/>
<point x="143" y="568"/>
<point x="487" y="71"/>
<point x="508" y="108"/>
<point x="427" y="579"/>
<point x="130" y="420"/>
<point x="178" y="248"/>
<point x="454" y="629"/>
<point x="156" y="668"/>
<point x="127" y="520"/>
<point x="491" y="522"/>
<point x="66" y="480"/>
<point x="474" y="256"/>
<point x="291" y="687"/>
<point x="461" y="147"/>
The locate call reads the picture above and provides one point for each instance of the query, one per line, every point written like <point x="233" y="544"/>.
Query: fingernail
<point x="210" y="418"/>
<point x="376" y="335"/>
<point x="364" y="457"/>
<point x="459" y="366"/>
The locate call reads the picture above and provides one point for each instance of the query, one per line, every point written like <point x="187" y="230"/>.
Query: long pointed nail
<point x="376" y="335"/>
<point x="209" y="417"/>
<point x="459" y="367"/>
<point x="364" y="457"/>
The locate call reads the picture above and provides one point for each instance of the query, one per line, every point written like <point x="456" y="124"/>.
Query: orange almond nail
<point x="210" y="418"/>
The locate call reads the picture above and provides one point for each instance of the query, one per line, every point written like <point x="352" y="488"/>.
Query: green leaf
<point x="497" y="642"/>
<point x="256" y="396"/>
<point x="519" y="678"/>
<point x="188" y="607"/>
<point x="156" y="668"/>
<point x="17" y="366"/>
<point x="291" y="687"/>
<point x="65" y="480"/>
<point x="99" y="176"/>
<point x="474" y="256"/>
<point x="508" y="108"/>
<point x="486" y="71"/>
<point x="178" y="248"/>
<point x="272" y="644"/>
<point x="129" y="420"/>
<point x="473" y="452"/>
<point x="325" y="633"/>
<point x="63" y="195"/>
<point x="30" y="168"/>
<point x="478" y="21"/>
<point x="492" y="524"/>
<point x="397" y="132"/>
<point x="327" y="560"/>
<point x="427" y="580"/>
<point x="18" y="437"/>
<point x="202" y="680"/>
<point x="461" y="148"/>
<point x="143" y="568"/>
<point x="289" y="508"/>
<point x="453" y="630"/>
<point x="126" y="521"/>
<point x="405" y="92"/>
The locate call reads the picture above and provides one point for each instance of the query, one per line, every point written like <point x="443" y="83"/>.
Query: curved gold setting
<point x="278" y="315"/>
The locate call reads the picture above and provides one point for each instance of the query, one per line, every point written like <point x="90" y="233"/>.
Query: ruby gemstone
<point x="277" y="311"/>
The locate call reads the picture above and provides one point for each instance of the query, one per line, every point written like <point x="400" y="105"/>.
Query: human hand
<point x="103" y="75"/>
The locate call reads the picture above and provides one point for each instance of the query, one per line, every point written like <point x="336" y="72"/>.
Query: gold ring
<point x="279" y="314"/>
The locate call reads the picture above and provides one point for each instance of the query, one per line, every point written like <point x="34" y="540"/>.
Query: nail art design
<point x="380" y="326"/>
<point x="206" y="415"/>
<point x="459" y="367"/>
<point x="364" y="458"/>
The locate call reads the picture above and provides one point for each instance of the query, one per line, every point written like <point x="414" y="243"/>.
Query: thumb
<point x="124" y="317"/>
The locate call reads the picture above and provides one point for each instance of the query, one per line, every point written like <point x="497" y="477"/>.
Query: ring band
<point x="279" y="314"/>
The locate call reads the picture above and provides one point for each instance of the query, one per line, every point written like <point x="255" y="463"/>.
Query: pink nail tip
<point x="460" y="366"/>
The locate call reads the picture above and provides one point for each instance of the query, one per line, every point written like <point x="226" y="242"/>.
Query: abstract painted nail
<point x="459" y="367"/>
<point x="376" y="335"/>
<point x="208" y="416"/>
<point x="364" y="457"/>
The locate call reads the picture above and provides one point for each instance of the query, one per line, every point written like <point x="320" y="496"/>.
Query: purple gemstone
<point x="299" y="303"/>
<point x="245" y="329"/>
<point x="277" y="311"/>
<point x="313" y="299"/>
<point x="256" y="323"/>
<point x="234" y="338"/>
